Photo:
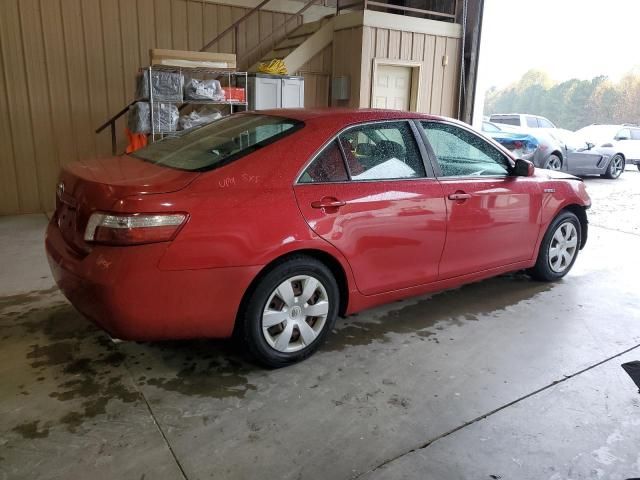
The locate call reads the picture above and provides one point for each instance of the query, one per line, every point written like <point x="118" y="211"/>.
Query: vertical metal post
<point x="237" y="46"/>
<point x="113" y="137"/>
<point x="153" y="128"/>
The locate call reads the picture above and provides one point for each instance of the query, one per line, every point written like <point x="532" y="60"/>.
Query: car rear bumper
<point x="122" y="290"/>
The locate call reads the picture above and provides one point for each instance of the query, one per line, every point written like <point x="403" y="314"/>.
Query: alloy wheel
<point x="617" y="166"/>
<point x="554" y="163"/>
<point x="563" y="247"/>
<point x="295" y="313"/>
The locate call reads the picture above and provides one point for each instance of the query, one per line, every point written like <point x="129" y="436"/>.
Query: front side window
<point x="328" y="166"/>
<point x="544" y="123"/>
<point x="218" y="143"/>
<point x="379" y="151"/>
<point x="460" y="153"/>
<point x="635" y="134"/>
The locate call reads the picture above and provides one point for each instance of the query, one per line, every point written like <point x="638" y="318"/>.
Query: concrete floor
<point x="507" y="378"/>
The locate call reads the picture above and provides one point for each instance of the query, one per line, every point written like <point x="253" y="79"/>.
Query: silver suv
<point x="523" y="120"/>
<point x="624" y="138"/>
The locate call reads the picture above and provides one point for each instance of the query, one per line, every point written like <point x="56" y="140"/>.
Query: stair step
<point x="292" y="41"/>
<point x="306" y="29"/>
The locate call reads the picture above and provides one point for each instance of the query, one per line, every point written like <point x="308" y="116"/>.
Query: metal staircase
<point x="300" y="46"/>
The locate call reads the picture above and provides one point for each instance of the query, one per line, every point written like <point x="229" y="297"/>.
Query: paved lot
<point x="506" y="378"/>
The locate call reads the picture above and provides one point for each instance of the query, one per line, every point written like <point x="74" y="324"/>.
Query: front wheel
<point x="553" y="162"/>
<point x="559" y="248"/>
<point x="615" y="168"/>
<point x="290" y="312"/>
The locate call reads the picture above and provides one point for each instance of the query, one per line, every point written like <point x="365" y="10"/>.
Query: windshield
<point x="218" y="143"/>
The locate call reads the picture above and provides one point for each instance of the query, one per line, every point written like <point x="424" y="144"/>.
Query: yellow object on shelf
<point x="274" y="67"/>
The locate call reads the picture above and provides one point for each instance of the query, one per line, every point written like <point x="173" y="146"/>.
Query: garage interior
<point x="505" y="378"/>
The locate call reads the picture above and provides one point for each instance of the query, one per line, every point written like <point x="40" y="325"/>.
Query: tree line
<point x="571" y="104"/>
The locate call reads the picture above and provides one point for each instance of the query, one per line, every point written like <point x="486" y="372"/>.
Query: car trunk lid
<point x="98" y="185"/>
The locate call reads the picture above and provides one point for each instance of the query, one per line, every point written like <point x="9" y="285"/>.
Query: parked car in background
<point x="269" y="225"/>
<point x="523" y="120"/>
<point x="625" y="139"/>
<point x="582" y="157"/>
<point x="548" y="152"/>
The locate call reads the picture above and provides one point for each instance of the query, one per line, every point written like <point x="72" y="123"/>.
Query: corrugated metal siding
<point x="317" y="79"/>
<point x="439" y="89"/>
<point x="68" y="65"/>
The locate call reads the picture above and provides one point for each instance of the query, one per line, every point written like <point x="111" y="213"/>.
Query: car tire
<point x="615" y="168"/>
<point x="554" y="162"/>
<point x="280" y="296"/>
<point x="559" y="248"/>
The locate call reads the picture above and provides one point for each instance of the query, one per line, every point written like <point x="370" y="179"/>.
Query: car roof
<point x="516" y="114"/>
<point x="347" y="116"/>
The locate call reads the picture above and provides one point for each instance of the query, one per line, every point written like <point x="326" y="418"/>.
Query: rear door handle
<point x="459" y="196"/>
<point x="328" y="203"/>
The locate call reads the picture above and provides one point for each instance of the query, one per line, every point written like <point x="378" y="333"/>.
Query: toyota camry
<point x="269" y="225"/>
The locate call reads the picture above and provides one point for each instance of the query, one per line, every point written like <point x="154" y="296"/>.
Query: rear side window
<point x="218" y="143"/>
<point x="328" y="166"/>
<point x="624" y="134"/>
<point x="506" y="119"/>
<point x="532" y="122"/>
<point x="379" y="151"/>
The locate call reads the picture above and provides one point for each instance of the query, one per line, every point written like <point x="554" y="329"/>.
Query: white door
<point x="293" y="92"/>
<point x="392" y="87"/>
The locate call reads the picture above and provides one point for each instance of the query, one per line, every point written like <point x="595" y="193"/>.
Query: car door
<point x="368" y="193"/>
<point x="581" y="160"/>
<point x="634" y="144"/>
<point x="625" y="144"/>
<point x="493" y="218"/>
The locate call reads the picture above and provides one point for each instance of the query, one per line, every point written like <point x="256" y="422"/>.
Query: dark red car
<point x="270" y="225"/>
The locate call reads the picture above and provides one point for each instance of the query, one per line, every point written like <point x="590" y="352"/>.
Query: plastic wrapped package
<point x="165" y="117"/>
<point x="198" y="117"/>
<point x="196" y="89"/>
<point x="166" y="86"/>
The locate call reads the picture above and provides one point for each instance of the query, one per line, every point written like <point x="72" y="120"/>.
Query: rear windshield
<point x="506" y="119"/>
<point x="218" y="143"/>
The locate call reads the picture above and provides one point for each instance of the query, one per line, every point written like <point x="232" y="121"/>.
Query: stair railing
<point x="234" y="27"/>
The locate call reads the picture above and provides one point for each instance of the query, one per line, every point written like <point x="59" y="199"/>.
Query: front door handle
<point x="328" y="202"/>
<point x="459" y="196"/>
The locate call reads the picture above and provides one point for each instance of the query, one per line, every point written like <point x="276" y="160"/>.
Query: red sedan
<point x="269" y="225"/>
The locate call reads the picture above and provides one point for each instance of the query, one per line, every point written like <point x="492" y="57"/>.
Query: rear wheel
<point x="559" y="248"/>
<point x="290" y="312"/>
<point x="615" y="168"/>
<point x="553" y="162"/>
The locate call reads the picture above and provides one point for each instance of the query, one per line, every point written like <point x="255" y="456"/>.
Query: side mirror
<point x="623" y="137"/>
<point x="523" y="168"/>
<point x="590" y="145"/>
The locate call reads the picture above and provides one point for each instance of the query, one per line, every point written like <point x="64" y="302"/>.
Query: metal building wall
<point x="68" y="65"/>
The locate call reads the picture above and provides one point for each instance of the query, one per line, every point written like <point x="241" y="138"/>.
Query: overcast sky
<point x="567" y="38"/>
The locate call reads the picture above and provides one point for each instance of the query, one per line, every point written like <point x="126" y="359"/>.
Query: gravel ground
<point x="616" y="202"/>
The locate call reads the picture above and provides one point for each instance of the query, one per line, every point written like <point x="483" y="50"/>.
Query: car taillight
<point x="133" y="229"/>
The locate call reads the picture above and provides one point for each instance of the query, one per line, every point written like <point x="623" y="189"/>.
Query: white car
<point x="624" y="138"/>
<point x="522" y="120"/>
